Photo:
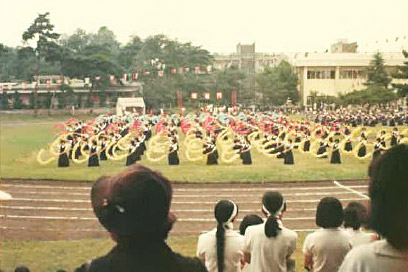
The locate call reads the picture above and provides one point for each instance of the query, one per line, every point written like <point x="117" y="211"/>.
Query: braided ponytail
<point x="225" y="212"/>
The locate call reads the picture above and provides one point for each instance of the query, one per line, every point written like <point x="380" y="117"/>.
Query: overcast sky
<point x="218" y="25"/>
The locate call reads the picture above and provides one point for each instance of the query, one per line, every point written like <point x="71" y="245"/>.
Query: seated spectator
<point x="249" y="220"/>
<point x="326" y="248"/>
<point x="221" y="249"/>
<point x="268" y="246"/>
<point x="388" y="216"/>
<point x="134" y="207"/>
<point x="355" y="215"/>
<point x="22" y="269"/>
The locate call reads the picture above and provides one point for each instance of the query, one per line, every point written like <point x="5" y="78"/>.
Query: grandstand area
<point x="58" y="210"/>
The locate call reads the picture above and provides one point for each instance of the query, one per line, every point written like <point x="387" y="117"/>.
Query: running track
<point x="45" y="210"/>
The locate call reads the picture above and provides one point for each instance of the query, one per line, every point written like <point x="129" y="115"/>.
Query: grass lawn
<point x="20" y="143"/>
<point x="48" y="256"/>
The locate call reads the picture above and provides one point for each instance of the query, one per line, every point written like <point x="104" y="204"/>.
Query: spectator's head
<point x="134" y="204"/>
<point x="388" y="193"/>
<point x="329" y="213"/>
<point x="249" y="220"/>
<point x="22" y="268"/>
<point x="225" y="212"/>
<point x="355" y="215"/>
<point x="273" y="205"/>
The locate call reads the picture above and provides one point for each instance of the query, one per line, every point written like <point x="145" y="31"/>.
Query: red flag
<point x="160" y="73"/>
<point x="135" y="76"/>
<point x="173" y="70"/>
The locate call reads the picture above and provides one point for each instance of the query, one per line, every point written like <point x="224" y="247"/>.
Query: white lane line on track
<point x="176" y="210"/>
<point x="77" y="218"/>
<point x="101" y="230"/>
<point x="262" y="189"/>
<point x="185" y="196"/>
<point x="180" y="202"/>
<point x="350" y="189"/>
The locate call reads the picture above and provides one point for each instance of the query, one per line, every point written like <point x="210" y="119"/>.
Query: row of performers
<point x="99" y="151"/>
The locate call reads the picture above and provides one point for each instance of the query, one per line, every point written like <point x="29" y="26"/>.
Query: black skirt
<point x="362" y="151"/>
<point x="335" y="157"/>
<point x="63" y="160"/>
<point x="246" y="158"/>
<point x="173" y="158"/>
<point x="306" y="146"/>
<point x="289" y="158"/>
<point x="348" y="146"/>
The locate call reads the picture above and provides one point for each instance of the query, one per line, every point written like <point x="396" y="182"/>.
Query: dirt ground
<point x="52" y="210"/>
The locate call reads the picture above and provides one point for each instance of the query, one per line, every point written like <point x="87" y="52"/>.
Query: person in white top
<point x="388" y="216"/>
<point x="355" y="215"/>
<point x="268" y="246"/>
<point x="326" y="248"/>
<point x="248" y="220"/>
<point x="221" y="249"/>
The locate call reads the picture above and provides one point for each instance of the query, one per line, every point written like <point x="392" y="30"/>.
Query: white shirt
<point x="328" y="247"/>
<point x="269" y="254"/>
<point x="233" y="253"/>
<point x="378" y="256"/>
<point x="358" y="237"/>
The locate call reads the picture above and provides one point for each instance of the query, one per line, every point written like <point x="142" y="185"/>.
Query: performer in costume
<point x="210" y="149"/>
<point x="377" y="148"/>
<point x="306" y="145"/>
<point x="246" y="151"/>
<point x="322" y="149"/>
<point x="335" y="155"/>
<point x="172" y="157"/>
<point x="394" y="137"/>
<point x="131" y="158"/>
<point x="288" y="153"/>
<point x="93" y="160"/>
<point x="362" y="150"/>
<point x="63" y="160"/>
<point x="104" y="144"/>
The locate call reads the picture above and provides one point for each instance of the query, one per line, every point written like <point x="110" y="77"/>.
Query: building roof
<point x="343" y="59"/>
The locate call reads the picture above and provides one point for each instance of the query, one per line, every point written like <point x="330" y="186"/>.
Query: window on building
<point x="352" y="74"/>
<point x="321" y="74"/>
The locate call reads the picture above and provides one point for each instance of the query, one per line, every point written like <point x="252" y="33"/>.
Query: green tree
<point x="376" y="74"/>
<point x="4" y="103"/>
<point x="17" y="101"/>
<point x="402" y="73"/>
<point x="277" y="84"/>
<point x="42" y="31"/>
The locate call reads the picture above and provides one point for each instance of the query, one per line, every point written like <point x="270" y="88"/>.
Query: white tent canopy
<point x="130" y="104"/>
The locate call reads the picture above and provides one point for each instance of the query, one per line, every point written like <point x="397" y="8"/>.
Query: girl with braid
<point x="221" y="248"/>
<point x="268" y="246"/>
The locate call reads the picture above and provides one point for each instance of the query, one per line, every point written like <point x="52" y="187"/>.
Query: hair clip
<point x="105" y="202"/>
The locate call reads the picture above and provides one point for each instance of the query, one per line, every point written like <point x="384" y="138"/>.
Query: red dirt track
<point x="52" y="210"/>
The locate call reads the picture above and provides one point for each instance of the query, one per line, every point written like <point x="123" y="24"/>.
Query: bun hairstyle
<point x="225" y="212"/>
<point x="134" y="204"/>
<point x="273" y="206"/>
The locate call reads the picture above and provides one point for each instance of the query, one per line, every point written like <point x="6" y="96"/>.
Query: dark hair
<point x="249" y="220"/>
<point x="134" y="204"/>
<point x="272" y="201"/>
<point x="355" y="215"/>
<point x="329" y="213"/>
<point x="388" y="192"/>
<point x="22" y="268"/>
<point x="223" y="211"/>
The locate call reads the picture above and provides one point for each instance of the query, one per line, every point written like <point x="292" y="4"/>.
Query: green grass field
<point x="21" y="142"/>
<point x="48" y="256"/>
